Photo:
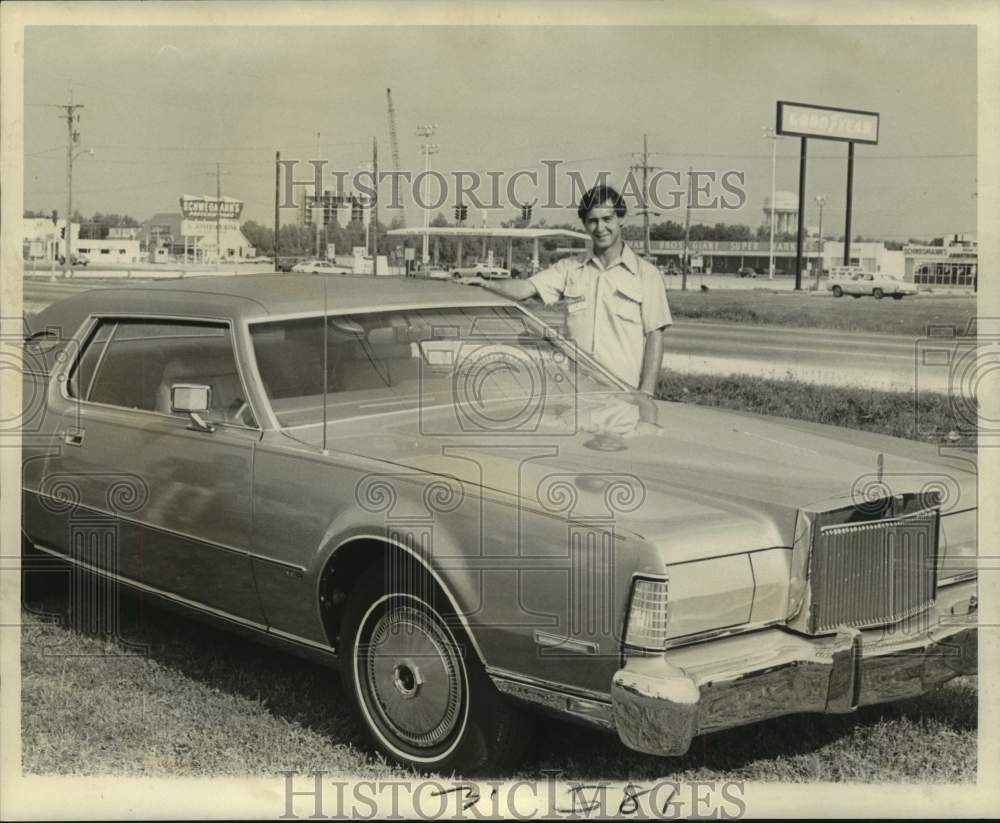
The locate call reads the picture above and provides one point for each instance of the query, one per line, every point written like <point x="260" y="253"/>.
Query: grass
<point x="897" y="414"/>
<point x="203" y="702"/>
<point x="910" y="316"/>
<point x="199" y="701"/>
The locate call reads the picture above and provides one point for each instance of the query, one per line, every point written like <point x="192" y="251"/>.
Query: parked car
<point x="433" y="273"/>
<point x="483" y="270"/>
<point x="320" y="267"/>
<point x="857" y="282"/>
<point x="747" y="271"/>
<point x="431" y="491"/>
<point x="77" y="260"/>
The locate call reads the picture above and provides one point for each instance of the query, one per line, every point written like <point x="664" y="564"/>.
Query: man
<point x="616" y="305"/>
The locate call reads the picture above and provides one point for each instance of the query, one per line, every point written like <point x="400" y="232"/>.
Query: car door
<point x="176" y="498"/>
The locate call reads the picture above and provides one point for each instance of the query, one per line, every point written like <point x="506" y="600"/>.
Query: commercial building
<point x="729" y="256"/>
<point x="45" y="240"/>
<point x="206" y="229"/>
<point x="953" y="263"/>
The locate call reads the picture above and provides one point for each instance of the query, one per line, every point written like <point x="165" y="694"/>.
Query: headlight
<point x="648" y="615"/>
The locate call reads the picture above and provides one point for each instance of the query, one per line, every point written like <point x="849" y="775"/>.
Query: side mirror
<point x="192" y="399"/>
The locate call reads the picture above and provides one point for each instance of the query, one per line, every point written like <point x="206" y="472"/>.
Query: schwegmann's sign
<point x="203" y="207"/>
<point x="826" y="123"/>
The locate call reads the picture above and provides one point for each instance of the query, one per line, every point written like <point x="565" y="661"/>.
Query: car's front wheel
<point x="878" y="294"/>
<point x="838" y="292"/>
<point x="417" y="684"/>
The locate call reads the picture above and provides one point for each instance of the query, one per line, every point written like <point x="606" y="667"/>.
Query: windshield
<point x="416" y="358"/>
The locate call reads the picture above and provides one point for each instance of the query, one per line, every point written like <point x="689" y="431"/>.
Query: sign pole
<point x="847" y="219"/>
<point x="802" y="214"/>
<point x="277" y="218"/>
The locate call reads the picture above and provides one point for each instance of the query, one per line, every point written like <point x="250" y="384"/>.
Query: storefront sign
<point x="720" y="246"/>
<point x="803" y="120"/>
<point x="210" y="208"/>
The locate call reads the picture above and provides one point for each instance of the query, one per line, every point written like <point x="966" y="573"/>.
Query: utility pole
<point x="687" y="232"/>
<point x="770" y="134"/>
<point x="374" y="217"/>
<point x="319" y="202"/>
<point x="645" y="168"/>
<point x="426" y="130"/>
<point x="218" y="216"/>
<point x="72" y="138"/>
<point x="820" y="201"/>
<point x="277" y="218"/>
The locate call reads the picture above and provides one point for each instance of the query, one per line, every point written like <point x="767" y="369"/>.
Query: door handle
<point x="73" y="437"/>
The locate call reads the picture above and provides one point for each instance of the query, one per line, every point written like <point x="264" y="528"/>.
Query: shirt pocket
<point x="575" y="296"/>
<point x="626" y="304"/>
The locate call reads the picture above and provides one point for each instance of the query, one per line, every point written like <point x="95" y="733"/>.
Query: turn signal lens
<point x="648" y="615"/>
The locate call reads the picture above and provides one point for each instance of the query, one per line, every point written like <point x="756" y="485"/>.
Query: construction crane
<point x="394" y="144"/>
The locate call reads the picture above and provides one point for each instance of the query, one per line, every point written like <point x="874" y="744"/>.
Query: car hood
<point x="662" y="470"/>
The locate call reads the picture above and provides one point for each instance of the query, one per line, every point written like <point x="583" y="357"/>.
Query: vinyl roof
<point x="257" y="296"/>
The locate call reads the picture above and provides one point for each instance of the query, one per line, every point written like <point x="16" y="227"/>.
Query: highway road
<point x="878" y="361"/>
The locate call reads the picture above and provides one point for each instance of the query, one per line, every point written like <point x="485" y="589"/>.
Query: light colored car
<point x="483" y="270"/>
<point x="431" y="491"/>
<point x="857" y="282"/>
<point x="319" y="267"/>
<point x="435" y="273"/>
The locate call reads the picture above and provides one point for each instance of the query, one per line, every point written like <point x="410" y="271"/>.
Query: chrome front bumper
<point x="660" y="703"/>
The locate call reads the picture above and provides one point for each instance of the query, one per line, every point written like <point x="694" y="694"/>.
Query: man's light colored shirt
<point x="609" y="310"/>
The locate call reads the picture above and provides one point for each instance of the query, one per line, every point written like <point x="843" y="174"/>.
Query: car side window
<point x="133" y="364"/>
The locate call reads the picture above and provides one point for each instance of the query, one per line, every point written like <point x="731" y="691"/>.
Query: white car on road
<point x="319" y="267"/>
<point x="482" y="270"/>
<point x="855" y="281"/>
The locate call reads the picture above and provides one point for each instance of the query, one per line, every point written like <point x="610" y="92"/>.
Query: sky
<point x="163" y="105"/>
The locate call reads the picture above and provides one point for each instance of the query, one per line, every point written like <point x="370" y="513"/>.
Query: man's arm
<point x="652" y="362"/>
<point x="513" y="289"/>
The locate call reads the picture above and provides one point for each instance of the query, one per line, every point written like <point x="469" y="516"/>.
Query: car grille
<point x="873" y="573"/>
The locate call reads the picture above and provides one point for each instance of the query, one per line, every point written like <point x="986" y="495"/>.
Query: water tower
<point x="786" y="212"/>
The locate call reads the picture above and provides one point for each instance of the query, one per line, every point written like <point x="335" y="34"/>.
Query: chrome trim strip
<point x="549" y="640"/>
<point x="716" y="634"/>
<point x="173" y="532"/>
<point x="549" y="685"/>
<point x="313" y="644"/>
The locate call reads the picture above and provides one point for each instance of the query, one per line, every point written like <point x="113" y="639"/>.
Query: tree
<point x="260" y="237"/>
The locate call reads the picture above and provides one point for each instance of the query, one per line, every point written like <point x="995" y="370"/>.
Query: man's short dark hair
<point x="599" y="196"/>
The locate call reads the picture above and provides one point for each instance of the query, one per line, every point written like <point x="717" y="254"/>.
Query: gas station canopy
<point x="463" y="231"/>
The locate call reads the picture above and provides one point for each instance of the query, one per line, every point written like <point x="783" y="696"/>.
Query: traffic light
<point x="526" y="214"/>
<point x="62" y="232"/>
<point x="464" y="213"/>
<point x="458" y="214"/>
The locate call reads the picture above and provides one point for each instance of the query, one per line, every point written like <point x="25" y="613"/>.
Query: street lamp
<point x="820" y="201"/>
<point x="770" y="134"/>
<point x="426" y="130"/>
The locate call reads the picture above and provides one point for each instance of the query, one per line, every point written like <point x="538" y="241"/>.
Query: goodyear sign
<point x="827" y="123"/>
<point x="204" y="207"/>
